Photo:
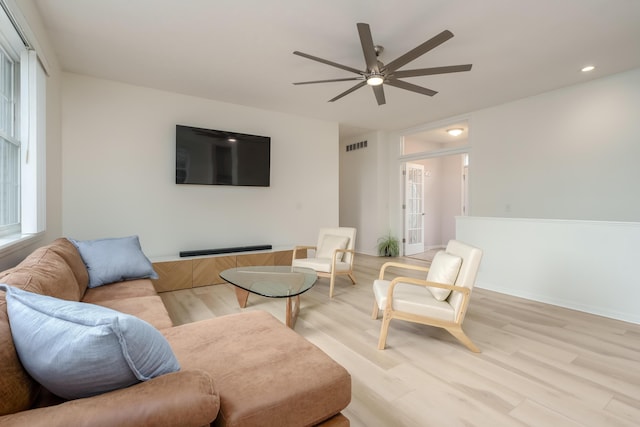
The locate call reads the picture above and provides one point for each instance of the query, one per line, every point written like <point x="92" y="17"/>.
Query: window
<point x="9" y="148"/>
<point x="22" y="134"/>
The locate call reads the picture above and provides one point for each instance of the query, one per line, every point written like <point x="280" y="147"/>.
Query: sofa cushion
<point x="71" y="256"/>
<point x="78" y="350"/>
<point x="44" y="272"/>
<point x="151" y="309"/>
<point x="178" y="399"/>
<point x="120" y="290"/>
<point x="114" y="260"/>
<point x="18" y="390"/>
<point x="444" y="269"/>
<point x="289" y="381"/>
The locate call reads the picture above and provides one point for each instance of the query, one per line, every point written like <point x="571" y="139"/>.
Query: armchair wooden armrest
<point x="400" y="265"/>
<point x="345" y="251"/>
<point x="297" y="248"/>
<point x="424" y="283"/>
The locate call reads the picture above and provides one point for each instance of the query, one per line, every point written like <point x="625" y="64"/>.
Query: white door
<point x="414" y="209"/>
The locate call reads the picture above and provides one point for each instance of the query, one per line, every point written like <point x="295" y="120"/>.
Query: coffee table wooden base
<point x="293" y="305"/>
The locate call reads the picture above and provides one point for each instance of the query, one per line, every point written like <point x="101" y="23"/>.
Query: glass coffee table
<point x="272" y="281"/>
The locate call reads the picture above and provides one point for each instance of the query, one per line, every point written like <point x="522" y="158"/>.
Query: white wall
<point x="442" y="198"/>
<point x="364" y="183"/>
<point x="584" y="265"/>
<point x="119" y="172"/>
<point x="433" y="190"/>
<point x="451" y="195"/>
<point x="562" y="167"/>
<point x="568" y="154"/>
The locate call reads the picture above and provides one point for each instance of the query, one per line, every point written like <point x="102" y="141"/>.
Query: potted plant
<point x="388" y="246"/>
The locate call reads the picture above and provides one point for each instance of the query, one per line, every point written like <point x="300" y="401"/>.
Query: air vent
<point x="356" y="146"/>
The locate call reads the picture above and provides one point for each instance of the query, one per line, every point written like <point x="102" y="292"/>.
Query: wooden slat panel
<point x="256" y="259"/>
<point x="283" y="257"/>
<point x="174" y="275"/>
<point x="188" y="273"/>
<point x="206" y="271"/>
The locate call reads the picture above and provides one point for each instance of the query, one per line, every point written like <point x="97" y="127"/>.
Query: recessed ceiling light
<point x="455" y="132"/>
<point x="588" y="68"/>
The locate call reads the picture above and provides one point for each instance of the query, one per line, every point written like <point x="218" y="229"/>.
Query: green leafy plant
<point x="388" y="246"/>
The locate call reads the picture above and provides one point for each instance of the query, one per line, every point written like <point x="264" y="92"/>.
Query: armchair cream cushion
<point x="444" y="269"/>
<point x="329" y="244"/>
<point x="412" y="299"/>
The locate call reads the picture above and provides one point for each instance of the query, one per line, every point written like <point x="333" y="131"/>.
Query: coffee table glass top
<point x="273" y="281"/>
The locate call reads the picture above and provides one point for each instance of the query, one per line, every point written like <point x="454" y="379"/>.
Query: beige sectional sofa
<point x="245" y="369"/>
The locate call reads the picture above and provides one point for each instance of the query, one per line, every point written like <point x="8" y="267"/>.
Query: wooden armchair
<point x="441" y="300"/>
<point x="333" y="255"/>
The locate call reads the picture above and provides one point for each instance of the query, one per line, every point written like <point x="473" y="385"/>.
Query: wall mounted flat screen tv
<point x="216" y="157"/>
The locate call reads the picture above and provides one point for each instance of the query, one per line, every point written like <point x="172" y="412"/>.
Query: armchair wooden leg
<point x="374" y="313"/>
<point x="353" y="278"/>
<point x="331" y="283"/>
<point x="383" y="331"/>
<point x="463" y="338"/>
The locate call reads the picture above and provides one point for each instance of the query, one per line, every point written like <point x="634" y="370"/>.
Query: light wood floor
<point x="540" y="365"/>
<point x="427" y="255"/>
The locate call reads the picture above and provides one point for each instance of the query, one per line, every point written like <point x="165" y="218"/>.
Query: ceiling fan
<point x="378" y="74"/>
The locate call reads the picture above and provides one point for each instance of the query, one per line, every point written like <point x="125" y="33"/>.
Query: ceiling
<point x="240" y="51"/>
<point x="440" y="135"/>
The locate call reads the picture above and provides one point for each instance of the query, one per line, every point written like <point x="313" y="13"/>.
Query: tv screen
<point x="215" y="157"/>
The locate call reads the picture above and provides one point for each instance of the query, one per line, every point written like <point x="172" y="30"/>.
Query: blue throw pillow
<point x="114" y="260"/>
<point x="78" y="350"/>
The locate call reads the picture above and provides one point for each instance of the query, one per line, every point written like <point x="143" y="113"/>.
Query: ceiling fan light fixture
<point x="455" y="131"/>
<point x="375" y="79"/>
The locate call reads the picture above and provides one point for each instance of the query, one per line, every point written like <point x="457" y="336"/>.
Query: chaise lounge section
<point x="245" y="369"/>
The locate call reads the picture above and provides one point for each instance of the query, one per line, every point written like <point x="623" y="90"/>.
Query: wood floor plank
<point x="625" y="407"/>
<point x="540" y="364"/>
<point x="533" y="414"/>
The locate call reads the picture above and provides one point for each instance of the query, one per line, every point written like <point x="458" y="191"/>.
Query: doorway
<point x="414" y="208"/>
<point x="435" y="193"/>
<point x="435" y="189"/>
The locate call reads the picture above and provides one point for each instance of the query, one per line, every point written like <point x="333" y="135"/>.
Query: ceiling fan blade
<point x="431" y="71"/>
<point x="420" y="50"/>
<point x="368" y="48"/>
<point x="379" y="92"/>
<point x="408" y="86"/>
<point x="328" y="81"/>
<point x="347" y="92"/>
<point x="324" y="61"/>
